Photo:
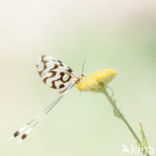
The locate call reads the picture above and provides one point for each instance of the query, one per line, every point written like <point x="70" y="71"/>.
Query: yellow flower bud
<point x="97" y="80"/>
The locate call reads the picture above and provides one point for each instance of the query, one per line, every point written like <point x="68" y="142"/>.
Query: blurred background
<point x="109" y="34"/>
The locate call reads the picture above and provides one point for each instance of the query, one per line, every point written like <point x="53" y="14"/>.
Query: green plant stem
<point x="121" y="116"/>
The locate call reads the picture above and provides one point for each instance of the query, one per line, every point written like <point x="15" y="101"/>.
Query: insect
<point x="57" y="76"/>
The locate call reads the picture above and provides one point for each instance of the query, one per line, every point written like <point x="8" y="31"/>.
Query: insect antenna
<point x="83" y="65"/>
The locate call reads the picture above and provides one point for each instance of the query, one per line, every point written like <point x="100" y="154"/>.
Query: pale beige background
<point x="110" y="34"/>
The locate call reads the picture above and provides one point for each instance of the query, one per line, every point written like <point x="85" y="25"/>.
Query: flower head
<point x="97" y="80"/>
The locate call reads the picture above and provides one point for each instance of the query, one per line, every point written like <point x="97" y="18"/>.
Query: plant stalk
<point x="112" y="102"/>
<point x="122" y="117"/>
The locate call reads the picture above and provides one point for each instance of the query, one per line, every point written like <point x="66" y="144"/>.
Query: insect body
<point x="55" y="75"/>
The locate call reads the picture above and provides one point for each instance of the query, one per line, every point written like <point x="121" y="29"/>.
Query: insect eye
<point x="82" y="75"/>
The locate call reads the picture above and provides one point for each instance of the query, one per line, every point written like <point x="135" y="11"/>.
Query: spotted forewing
<point x="54" y="73"/>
